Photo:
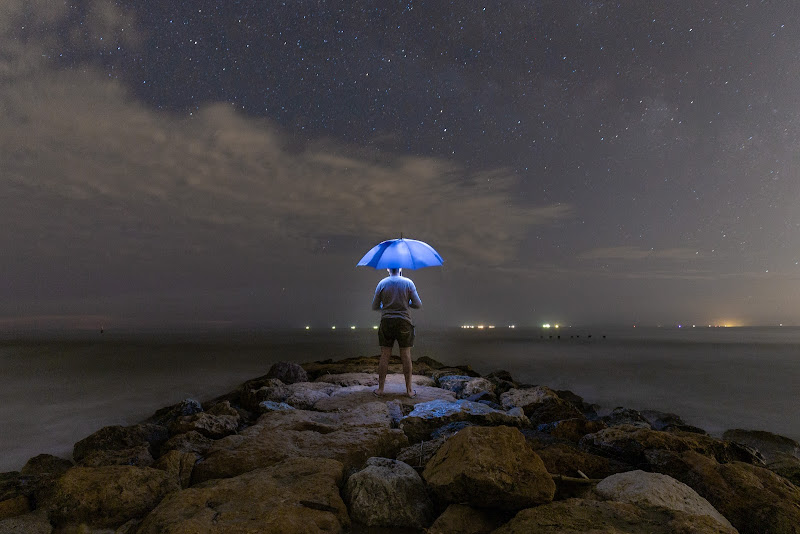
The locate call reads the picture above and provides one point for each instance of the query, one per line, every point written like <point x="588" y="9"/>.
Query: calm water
<point x="56" y="391"/>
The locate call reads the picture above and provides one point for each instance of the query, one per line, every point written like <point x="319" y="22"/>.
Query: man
<point x="394" y="295"/>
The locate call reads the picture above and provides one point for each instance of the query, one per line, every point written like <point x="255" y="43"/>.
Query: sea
<point x="58" y="387"/>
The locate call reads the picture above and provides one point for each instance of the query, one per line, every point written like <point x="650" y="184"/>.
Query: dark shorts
<point x="395" y="329"/>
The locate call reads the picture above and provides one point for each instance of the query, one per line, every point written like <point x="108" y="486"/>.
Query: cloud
<point x="628" y="253"/>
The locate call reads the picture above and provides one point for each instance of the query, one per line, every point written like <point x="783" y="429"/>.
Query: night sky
<point x="228" y="163"/>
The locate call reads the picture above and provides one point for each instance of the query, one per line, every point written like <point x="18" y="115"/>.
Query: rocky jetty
<point x="310" y="449"/>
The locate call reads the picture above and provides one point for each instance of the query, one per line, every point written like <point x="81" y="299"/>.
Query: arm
<point x="376" y="300"/>
<point x="414" y="300"/>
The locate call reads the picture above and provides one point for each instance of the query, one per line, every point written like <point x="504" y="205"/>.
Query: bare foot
<point x="377" y="392"/>
<point x="412" y="395"/>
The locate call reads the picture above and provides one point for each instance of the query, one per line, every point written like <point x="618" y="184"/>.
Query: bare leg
<point x="405" y="357"/>
<point x="383" y="367"/>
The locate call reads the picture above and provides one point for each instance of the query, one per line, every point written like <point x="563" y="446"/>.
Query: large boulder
<point x="489" y="467"/>
<point x="179" y="465"/>
<point x="576" y="516"/>
<point x="428" y="416"/>
<point x="388" y="493"/>
<point x="219" y="421"/>
<point x="121" y="445"/>
<point x="107" y="497"/>
<point x="752" y="498"/>
<point x="568" y="460"/>
<point x="465" y="519"/>
<point x="45" y="464"/>
<point x="293" y="496"/>
<point x="654" y="489"/>
<point x="287" y="372"/>
<point x="166" y="416"/>
<point x="629" y="444"/>
<point x="781" y="454"/>
<point x="191" y="441"/>
<point x="668" y="421"/>
<point x="626" y="416"/>
<point x="528" y="398"/>
<point x="350" y="436"/>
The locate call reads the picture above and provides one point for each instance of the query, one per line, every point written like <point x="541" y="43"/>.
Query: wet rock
<point x="107" y="497"/>
<point x="121" y="445"/>
<point x="45" y="464"/>
<point x="552" y="411"/>
<point x="220" y="421"/>
<point x="781" y="454"/>
<point x="388" y="493"/>
<point x="465" y="519"/>
<point x="752" y="498"/>
<point x="655" y="489"/>
<point x="287" y="372"/>
<point x="349" y="436"/>
<point x="428" y="416"/>
<point x="166" y="416"/>
<point x="588" y="410"/>
<point x="296" y="495"/>
<point x="625" y="416"/>
<point x="629" y="444"/>
<point x="178" y="465"/>
<point x="489" y="467"/>
<point x="191" y="441"/>
<point x="501" y="374"/>
<point x="582" y="515"/>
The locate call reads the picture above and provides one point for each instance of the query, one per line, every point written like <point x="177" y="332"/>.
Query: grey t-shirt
<point x="394" y="296"/>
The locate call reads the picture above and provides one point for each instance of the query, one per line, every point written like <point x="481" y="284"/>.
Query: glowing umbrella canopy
<point x="401" y="254"/>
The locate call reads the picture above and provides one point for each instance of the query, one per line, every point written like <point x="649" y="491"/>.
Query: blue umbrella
<point x="401" y="254"/>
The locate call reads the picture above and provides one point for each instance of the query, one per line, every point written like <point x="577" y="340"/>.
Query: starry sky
<point x="228" y="163"/>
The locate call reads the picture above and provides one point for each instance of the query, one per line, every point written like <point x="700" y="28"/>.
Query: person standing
<point x="394" y="296"/>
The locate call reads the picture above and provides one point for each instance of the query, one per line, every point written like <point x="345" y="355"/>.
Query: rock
<point x="350" y="437"/>
<point x="572" y="429"/>
<point x="668" y="421"/>
<point x="465" y="519"/>
<point x="489" y="467"/>
<point x="305" y="395"/>
<point x="574" y="516"/>
<point x="552" y="411"/>
<point x="429" y="362"/>
<point x="220" y="421"/>
<point x="287" y="372"/>
<point x="45" y="464"/>
<point x="752" y="498"/>
<point x="388" y="493"/>
<point x="178" y="465"/>
<point x="165" y="416"/>
<point x="32" y="523"/>
<point x="121" y="445"/>
<point x="629" y="444"/>
<point x="428" y="416"/>
<point x="566" y="459"/>
<point x="14" y="507"/>
<point x="360" y="364"/>
<point x="296" y="495"/>
<point x="528" y="399"/>
<point x="781" y="454"/>
<point x="191" y="441"/>
<point x="371" y="379"/>
<point x="655" y="489"/>
<point x="272" y="406"/>
<point x="352" y="397"/>
<point x="460" y="370"/>
<point x="257" y="391"/>
<point x="107" y="497"/>
<point x="465" y="386"/>
<point x="626" y="416"/>
<point x="419" y="454"/>
<point x="501" y="375"/>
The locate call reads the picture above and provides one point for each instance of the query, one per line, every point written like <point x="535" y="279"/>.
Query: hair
<point x="394" y="270"/>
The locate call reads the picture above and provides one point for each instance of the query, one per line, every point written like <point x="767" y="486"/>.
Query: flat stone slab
<point x="428" y="416"/>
